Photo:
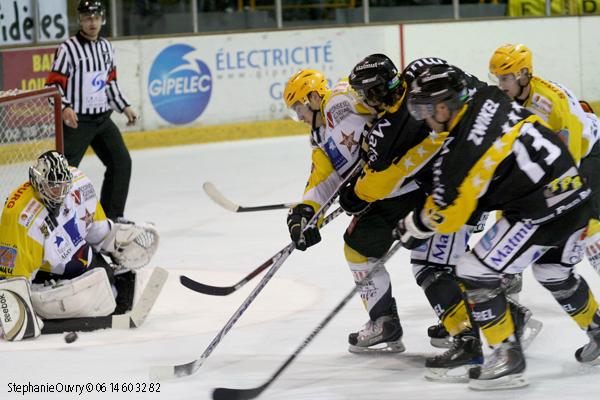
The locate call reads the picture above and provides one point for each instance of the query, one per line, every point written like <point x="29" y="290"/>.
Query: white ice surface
<point x="216" y="246"/>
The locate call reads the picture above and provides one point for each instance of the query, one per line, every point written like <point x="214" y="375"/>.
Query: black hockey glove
<point x="297" y="219"/>
<point x="411" y="231"/>
<point x="350" y="202"/>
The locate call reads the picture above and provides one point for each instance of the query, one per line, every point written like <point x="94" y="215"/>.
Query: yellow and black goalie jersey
<point x="500" y="156"/>
<point x="31" y="238"/>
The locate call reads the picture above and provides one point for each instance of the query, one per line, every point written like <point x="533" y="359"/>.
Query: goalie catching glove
<point x="131" y="246"/>
<point x="297" y="220"/>
<point x="411" y="231"/>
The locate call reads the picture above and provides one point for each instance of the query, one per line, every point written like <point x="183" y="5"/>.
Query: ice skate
<point x="439" y="336"/>
<point x="590" y="353"/>
<point x="526" y="328"/>
<point x="384" y="335"/>
<point x="454" y="364"/>
<point x="503" y="369"/>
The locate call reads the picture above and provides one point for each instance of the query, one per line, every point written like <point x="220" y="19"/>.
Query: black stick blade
<point x="237" y="394"/>
<point x="206" y="289"/>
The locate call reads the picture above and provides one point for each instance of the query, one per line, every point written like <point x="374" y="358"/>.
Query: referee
<point x="85" y="73"/>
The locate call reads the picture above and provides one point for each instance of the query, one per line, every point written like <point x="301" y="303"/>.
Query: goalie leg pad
<point x="88" y="295"/>
<point x="18" y="320"/>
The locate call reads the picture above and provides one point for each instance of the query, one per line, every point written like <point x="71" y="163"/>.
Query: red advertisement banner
<point x="25" y="69"/>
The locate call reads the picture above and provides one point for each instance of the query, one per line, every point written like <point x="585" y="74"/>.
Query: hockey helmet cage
<point x="376" y="79"/>
<point x="51" y="179"/>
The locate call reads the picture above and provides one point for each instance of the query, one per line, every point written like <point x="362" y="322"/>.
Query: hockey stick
<point x="226" y="290"/>
<point x="241" y="394"/>
<point x="167" y="372"/>
<point x="216" y="196"/>
<point x="133" y="319"/>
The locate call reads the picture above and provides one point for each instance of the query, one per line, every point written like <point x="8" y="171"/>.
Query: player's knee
<point x="474" y="274"/>
<point x="554" y="277"/>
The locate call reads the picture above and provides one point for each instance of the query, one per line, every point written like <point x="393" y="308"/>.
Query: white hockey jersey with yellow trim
<point x="32" y="239"/>
<point x="336" y="145"/>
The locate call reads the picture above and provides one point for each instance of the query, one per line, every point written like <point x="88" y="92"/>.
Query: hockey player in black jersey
<point x="399" y="152"/>
<point x="499" y="156"/>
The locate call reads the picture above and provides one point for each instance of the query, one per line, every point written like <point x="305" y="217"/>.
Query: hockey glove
<point x="297" y="219"/>
<point x="350" y="202"/>
<point x="411" y="231"/>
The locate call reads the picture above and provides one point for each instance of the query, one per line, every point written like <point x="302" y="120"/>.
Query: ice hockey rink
<point x="212" y="245"/>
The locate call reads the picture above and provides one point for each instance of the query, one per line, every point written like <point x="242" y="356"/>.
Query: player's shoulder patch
<point x="30" y="212"/>
<point x="337" y="108"/>
<point x="541" y="103"/>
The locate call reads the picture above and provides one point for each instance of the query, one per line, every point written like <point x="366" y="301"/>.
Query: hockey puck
<point x="71" y="337"/>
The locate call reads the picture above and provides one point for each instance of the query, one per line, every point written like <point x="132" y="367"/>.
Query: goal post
<point x="30" y="124"/>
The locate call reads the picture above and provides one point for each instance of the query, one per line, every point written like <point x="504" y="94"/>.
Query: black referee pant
<point x="106" y="140"/>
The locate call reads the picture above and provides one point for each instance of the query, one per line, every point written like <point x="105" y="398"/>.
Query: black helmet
<point x="376" y="79"/>
<point x="418" y="66"/>
<point x="438" y="84"/>
<point x="91" y="7"/>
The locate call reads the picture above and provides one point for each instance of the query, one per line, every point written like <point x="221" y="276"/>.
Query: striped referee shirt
<point x="86" y="75"/>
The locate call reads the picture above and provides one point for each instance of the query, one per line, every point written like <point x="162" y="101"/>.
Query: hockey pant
<point x="367" y="239"/>
<point x="590" y="168"/>
<point x="508" y="248"/>
<point x="434" y="264"/>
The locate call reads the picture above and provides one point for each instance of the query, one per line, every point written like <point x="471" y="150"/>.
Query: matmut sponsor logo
<point x="511" y="243"/>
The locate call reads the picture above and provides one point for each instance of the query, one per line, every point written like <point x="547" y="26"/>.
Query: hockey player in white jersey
<point x="337" y="118"/>
<point x="52" y="237"/>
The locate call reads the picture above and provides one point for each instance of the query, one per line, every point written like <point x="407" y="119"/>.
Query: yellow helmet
<point x="511" y="58"/>
<point x="302" y="83"/>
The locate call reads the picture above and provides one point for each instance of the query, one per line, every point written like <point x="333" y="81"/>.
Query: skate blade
<point x="513" y="381"/>
<point x="450" y="375"/>
<point x="531" y="330"/>
<point x="441" y="343"/>
<point x="381" y="348"/>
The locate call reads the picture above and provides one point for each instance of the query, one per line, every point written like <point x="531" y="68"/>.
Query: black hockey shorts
<point x="509" y="246"/>
<point x="371" y="233"/>
<point x="590" y="169"/>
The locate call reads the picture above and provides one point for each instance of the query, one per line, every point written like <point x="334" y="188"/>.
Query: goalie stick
<point x="132" y="319"/>
<point x="218" y="197"/>
<point x="243" y="394"/>
<point x="186" y="369"/>
<point x="226" y="290"/>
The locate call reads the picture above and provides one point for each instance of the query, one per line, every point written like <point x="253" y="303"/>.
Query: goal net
<point x="30" y="124"/>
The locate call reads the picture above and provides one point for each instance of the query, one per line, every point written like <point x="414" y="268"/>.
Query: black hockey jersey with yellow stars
<point x="499" y="156"/>
<point x="398" y="148"/>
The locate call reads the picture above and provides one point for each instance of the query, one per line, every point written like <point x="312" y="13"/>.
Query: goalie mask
<point x="51" y="179"/>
